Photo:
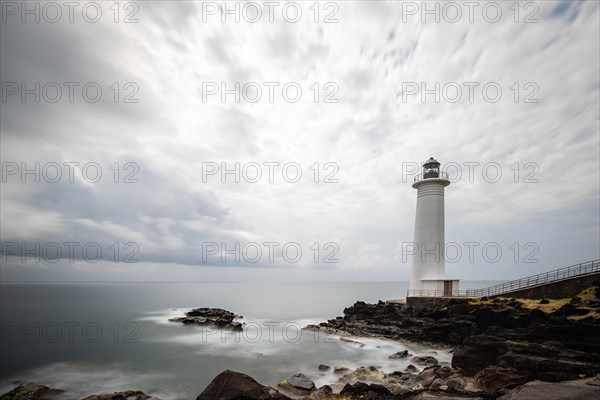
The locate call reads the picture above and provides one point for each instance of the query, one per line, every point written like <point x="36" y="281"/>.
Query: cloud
<point x="364" y="140"/>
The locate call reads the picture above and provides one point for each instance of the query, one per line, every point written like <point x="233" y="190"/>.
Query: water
<point x="91" y="338"/>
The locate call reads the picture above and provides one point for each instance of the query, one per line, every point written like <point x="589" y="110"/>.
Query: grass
<point x="588" y="294"/>
<point x="553" y="304"/>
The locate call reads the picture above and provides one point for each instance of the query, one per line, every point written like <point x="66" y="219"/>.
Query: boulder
<point x="400" y="354"/>
<point x="361" y="390"/>
<point x="340" y="369"/>
<point x="298" y="382"/>
<point x="323" y="367"/>
<point x="425" y="360"/>
<point x="411" y="368"/>
<point x="370" y="374"/>
<point x="430" y="374"/>
<point x="231" y="385"/>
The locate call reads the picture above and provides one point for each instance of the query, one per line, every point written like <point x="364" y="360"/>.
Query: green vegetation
<point x="589" y="293"/>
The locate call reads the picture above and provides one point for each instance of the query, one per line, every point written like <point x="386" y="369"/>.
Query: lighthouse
<point x="427" y="276"/>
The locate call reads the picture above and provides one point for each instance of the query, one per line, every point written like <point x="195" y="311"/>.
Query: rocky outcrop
<point x="213" y="317"/>
<point x="537" y="390"/>
<point x="31" y="391"/>
<point x="231" y="385"/>
<point x="555" y="346"/>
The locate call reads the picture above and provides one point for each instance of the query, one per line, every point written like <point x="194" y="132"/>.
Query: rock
<point x="575" y="300"/>
<point x="425" y="360"/>
<point x="205" y="316"/>
<point x="298" y="382"/>
<point x="370" y="374"/>
<point x="339" y="369"/>
<point x="231" y="385"/>
<point x="366" y="391"/>
<point x="570" y="390"/>
<point x="493" y="316"/>
<point x="400" y="354"/>
<point x="501" y="332"/>
<point x="478" y="352"/>
<point x="492" y="379"/>
<point x="322" y="393"/>
<point x="323" y="367"/>
<point x="572" y="309"/>
<point x="430" y="374"/>
<point x="31" y="391"/>
<point x="411" y="368"/>
<point x="544" y="301"/>
<point x="442" y="396"/>
<point x="126" y="395"/>
<point x="343" y="339"/>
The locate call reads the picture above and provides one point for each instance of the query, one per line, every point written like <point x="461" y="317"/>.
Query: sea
<point x="92" y="338"/>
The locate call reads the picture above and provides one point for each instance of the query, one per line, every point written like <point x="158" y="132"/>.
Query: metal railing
<point x="519" y="284"/>
<point x="541" y="279"/>
<point x="441" y="175"/>
<point x="440" y="293"/>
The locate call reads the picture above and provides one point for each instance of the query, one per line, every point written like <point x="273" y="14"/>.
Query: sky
<point x="194" y="141"/>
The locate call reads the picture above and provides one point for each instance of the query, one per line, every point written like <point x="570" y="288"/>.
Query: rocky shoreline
<point x="503" y="349"/>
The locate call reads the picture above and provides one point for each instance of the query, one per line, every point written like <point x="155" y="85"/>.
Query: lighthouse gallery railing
<point x="441" y="175"/>
<point x="512" y="286"/>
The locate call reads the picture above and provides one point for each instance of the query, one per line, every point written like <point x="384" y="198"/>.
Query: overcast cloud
<point x="369" y="61"/>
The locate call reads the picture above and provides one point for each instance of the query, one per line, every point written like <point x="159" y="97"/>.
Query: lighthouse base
<point x="436" y="288"/>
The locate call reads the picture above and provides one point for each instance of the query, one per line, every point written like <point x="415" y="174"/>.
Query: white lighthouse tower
<point x="427" y="276"/>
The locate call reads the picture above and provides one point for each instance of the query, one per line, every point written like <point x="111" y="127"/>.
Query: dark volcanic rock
<point x="478" y="352"/>
<point x="492" y="379"/>
<point x="205" y="316"/>
<point x="499" y="333"/>
<point x="360" y="390"/>
<point x="126" y="395"/>
<point x="425" y="360"/>
<point x="340" y="369"/>
<point x="400" y="354"/>
<point x="430" y="374"/>
<point x="573" y="390"/>
<point x="231" y="385"/>
<point x="443" y="396"/>
<point x="411" y="368"/>
<point x="31" y="391"/>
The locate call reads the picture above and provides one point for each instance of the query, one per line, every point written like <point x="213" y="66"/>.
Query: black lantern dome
<point x="431" y="168"/>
